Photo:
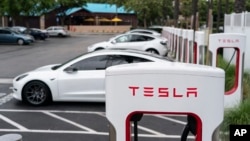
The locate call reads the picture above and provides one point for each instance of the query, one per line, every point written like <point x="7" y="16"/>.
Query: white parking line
<point x="2" y="94"/>
<point x="55" y="131"/>
<point x="70" y="122"/>
<point x="152" y="133"/>
<point x="13" y="123"/>
<point x="171" y="119"/>
<point x="5" y="98"/>
<point x="5" y="81"/>
<point x="51" y="111"/>
<point x="89" y="133"/>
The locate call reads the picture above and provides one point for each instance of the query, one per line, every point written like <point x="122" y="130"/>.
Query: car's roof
<point x="149" y="30"/>
<point x="122" y="50"/>
<point x="129" y="51"/>
<point x="142" y="34"/>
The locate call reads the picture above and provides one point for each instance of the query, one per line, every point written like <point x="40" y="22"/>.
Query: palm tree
<point x="239" y="6"/>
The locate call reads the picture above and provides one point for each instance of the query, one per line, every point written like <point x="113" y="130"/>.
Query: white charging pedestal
<point x="164" y="88"/>
<point x="237" y="42"/>
<point x="200" y="47"/>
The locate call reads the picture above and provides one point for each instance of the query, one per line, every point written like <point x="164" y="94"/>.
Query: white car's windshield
<point x="58" y="66"/>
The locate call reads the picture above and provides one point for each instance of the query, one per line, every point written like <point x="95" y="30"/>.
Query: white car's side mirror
<point x="71" y="69"/>
<point x="113" y="42"/>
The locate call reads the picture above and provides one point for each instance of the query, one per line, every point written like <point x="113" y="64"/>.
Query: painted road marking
<point x="171" y="119"/>
<point x="5" y="98"/>
<point x="153" y="133"/>
<point x="6" y="81"/>
<point x="13" y="123"/>
<point x="2" y="94"/>
<point x="70" y="122"/>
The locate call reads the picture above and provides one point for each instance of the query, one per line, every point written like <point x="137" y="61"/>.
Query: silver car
<point x="57" y="31"/>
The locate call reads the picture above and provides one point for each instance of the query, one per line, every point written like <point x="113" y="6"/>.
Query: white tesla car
<point x="138" y="41"/>
<point x="80" y="79"/>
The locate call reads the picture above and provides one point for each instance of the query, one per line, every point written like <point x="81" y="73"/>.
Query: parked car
<point x="57" y="31"/>
<point x="11" y="37"/>
<point x="80" y="79"/>
<point x="144" y="31"/>
<point x="157" y="28"/>
<point x="144" y="42"/>
<point x="38" y="34"/>
<point x="20" y="29"/>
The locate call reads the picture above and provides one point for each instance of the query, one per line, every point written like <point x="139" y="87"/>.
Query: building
<point x="91" y="14"/>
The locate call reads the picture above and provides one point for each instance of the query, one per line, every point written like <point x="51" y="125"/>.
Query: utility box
<point x="164" y="88"/>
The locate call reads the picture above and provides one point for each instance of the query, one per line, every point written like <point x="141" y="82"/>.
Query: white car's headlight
<point x="21" y="77"/>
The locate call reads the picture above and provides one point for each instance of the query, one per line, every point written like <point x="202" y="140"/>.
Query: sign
<point x="239" y="132"/>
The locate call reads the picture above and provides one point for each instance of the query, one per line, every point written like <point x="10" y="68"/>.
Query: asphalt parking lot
<point x="65" y="121"/>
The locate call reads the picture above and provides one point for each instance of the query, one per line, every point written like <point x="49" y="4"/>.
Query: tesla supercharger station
<point x="238" y="43"/>
<point x="164" y="88"/>
<point x="173" y="40"/>
<point x="178" y="45"/>
<point x="166" y="32"/>
<point x="190" y="46"/>
<point x="170" y="39"/>
<point x="176" y="42"/>
<point x="199" y="48"/>
<point x="184" y="47"/>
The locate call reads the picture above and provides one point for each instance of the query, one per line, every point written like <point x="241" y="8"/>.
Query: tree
<point x="10" y="9"/>
<point x="185" y="9"/>
<point x="176" y="12"/>
<point x="194" y="12"/>
<point x="239" y="6"/>
<point x="61" y="6"/>
<point x="148" y="11"/>
<point x="16" y="8"/>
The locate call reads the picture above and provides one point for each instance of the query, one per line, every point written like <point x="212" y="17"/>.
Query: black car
<point x="38" y="34"/>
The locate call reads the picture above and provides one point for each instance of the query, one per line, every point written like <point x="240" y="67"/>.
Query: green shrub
<point x="237" y="115"/>
<point x="240" y="114"/>
<point x="229" y="72"/>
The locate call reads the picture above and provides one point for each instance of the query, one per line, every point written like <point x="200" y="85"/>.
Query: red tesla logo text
<point x="163" y="92"/>
<point x="229" y="40"/>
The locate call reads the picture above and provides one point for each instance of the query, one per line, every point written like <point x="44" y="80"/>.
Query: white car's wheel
<point x="20" y="41"/>
<point x="36" y="93"/>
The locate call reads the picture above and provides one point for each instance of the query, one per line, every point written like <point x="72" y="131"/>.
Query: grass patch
<point x="239" y="115"/>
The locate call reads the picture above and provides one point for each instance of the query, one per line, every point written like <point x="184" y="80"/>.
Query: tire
<point x="153" y="51"/>
<point x="20" y="41"/>
<point x="60" y="35"/>
<point x="36" y="93"/>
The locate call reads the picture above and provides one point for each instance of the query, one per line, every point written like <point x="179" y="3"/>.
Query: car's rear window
<point x="59" y="28"/>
